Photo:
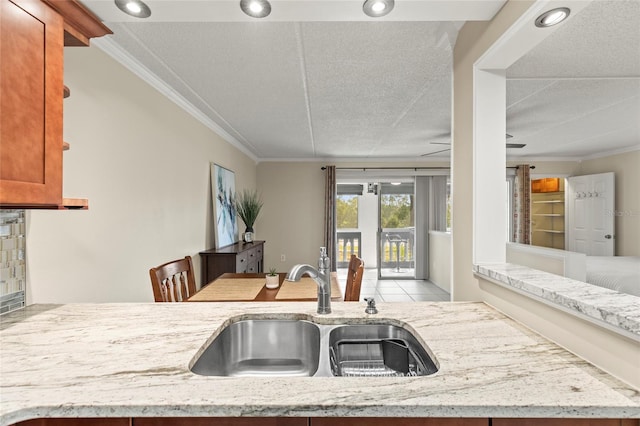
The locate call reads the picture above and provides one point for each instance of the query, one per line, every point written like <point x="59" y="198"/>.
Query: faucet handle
<point x="371" y="305"/>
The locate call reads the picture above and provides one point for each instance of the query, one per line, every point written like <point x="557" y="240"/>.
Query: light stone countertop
<point x="132" y="360"/>
<point x="618" y="311"/>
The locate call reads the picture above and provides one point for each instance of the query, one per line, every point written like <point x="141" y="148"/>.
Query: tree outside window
<point x="347" y="211"/>
<point x="396" y="211"/>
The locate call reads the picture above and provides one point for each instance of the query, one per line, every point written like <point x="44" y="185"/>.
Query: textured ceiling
<point x="578" y="92"/>
<point x="382" y="89"/>
<point x="307" y="89"/>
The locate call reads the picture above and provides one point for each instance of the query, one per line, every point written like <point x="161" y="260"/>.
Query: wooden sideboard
<point x="237" y="258"/>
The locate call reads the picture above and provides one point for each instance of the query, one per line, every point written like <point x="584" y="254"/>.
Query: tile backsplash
<point x="12" y="260"/>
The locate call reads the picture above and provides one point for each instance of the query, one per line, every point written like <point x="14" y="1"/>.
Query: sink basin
<point x="262" y="348"/>
<point x="302" y="348"/>
<point x="377" y="350"/>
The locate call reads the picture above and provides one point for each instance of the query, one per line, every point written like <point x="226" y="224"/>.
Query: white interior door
<point x="577" y="219"/>
<point x="590" y="214"/>
<point x="602" y="214"/>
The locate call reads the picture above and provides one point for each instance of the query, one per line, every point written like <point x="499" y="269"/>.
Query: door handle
<point x="608" y="236"/>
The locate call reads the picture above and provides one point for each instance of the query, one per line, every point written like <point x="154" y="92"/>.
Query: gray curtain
<point x="438" y="219"/>
<point x="330" y="215"/>
<point x="522" y="205"/>
<point x="422" y="219"/>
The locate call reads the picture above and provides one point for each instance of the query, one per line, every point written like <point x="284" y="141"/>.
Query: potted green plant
<point x="273" y="279"/>
<point x="248" y="204"/>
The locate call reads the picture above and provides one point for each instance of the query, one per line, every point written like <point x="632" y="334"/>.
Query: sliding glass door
<point x="396" y="230"/>
<point x="385" y="220"/>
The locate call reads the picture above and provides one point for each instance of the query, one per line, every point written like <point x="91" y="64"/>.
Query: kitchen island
<point x="133" y="360"/>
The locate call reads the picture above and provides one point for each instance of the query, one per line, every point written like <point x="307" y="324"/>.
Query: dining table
<point x="251" y="287"/>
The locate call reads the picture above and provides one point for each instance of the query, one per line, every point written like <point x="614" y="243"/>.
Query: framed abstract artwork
<point x="223" y="183"/>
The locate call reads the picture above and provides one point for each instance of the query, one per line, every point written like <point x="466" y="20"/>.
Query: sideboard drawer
<point x="252" y="255"/>
<point x="236" y="258"/>
<point x="242" y="262"/>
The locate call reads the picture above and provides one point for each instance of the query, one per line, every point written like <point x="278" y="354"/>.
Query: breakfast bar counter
<point x="133" y="360"/>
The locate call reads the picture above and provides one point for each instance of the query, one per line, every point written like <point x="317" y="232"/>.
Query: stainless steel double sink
<point x="274" y="347"/>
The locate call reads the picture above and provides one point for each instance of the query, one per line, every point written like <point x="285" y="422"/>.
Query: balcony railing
<point x="397" y="245"/>
<point x="348" y="244"/>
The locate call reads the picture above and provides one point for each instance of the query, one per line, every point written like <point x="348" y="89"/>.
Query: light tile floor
<point x="396" y="290"/>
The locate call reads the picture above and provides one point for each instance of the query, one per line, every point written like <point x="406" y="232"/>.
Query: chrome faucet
<point x="320" y="276"/>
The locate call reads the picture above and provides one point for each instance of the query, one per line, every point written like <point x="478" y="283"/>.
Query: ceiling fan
<point x="509" y="145"/>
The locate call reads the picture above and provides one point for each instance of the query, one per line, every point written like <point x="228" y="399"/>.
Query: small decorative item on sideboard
<point x="248" y="205"/>
<point x="273" y="279"/>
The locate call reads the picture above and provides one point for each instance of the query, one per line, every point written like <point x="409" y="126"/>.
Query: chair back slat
<point x="174" y="289"/>
<point x="184" y="292"/>
<point x="165" y="290"/>
<point x="355" y="272"/>
<point x="173" y="281"/>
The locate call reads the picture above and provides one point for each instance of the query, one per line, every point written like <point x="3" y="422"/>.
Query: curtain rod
<point x="364" y="169"/>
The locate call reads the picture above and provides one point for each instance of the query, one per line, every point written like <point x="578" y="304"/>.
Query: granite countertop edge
<point x="132" y="360"/>
<point x="271" y="410"/>
<point x="601" y="305"/>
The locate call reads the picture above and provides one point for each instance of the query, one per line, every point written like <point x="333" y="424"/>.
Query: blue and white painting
<point x="223" y="182"/>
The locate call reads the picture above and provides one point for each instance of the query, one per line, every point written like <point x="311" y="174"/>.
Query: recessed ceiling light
<point x="552" y="17"/>
<point x="256" y="8"/>
<point x="135" y="8"/>
<point x="377" y="8"/>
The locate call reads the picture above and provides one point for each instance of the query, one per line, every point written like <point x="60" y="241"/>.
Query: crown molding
<point x="595" y="156"/>
<point x="111" y="48"/>
<point x="545" y="159"/>
<point x="363" y="160"/>
<point x="611" y="153"/>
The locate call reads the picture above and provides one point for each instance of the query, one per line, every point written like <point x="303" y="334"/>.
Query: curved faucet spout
<point x="298" y="270"/>
<point x="322" y="280"/>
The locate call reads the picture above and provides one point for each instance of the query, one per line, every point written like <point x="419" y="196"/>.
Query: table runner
<point x="230" y="289"/>
<point x="306" y="288"/>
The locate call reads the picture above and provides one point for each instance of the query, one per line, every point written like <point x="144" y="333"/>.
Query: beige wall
<point x="549" y="168"/>
<point x="627" y="170"/>
<point x="440" y="259"/>
<point x="291" y="221"/>
<point x="144" y="165"/>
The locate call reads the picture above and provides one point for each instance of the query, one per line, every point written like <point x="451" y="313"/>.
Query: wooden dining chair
<point x="354" y="279"/>
<point x="173" y="281"/>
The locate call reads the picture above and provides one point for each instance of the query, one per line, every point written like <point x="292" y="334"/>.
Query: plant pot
<point x="273" y="281"/>
<point x="247" y="237"/>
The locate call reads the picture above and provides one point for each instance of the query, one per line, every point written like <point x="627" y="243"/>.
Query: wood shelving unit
<point x="547" y="218"/>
